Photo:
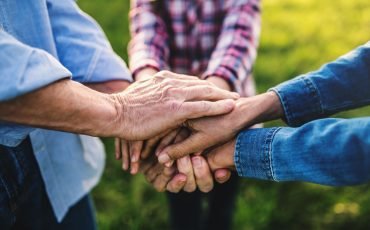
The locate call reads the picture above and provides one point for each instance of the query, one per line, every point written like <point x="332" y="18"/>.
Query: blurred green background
<point x="297" y="36"/>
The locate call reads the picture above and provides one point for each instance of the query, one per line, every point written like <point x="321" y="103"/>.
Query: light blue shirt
<point x="329" y="151"/>
<point x="43" y="41"/>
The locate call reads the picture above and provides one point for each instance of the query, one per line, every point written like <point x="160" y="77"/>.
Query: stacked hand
<point x="197" y="152"/>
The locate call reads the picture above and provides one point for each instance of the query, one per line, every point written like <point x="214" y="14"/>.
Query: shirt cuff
<point x="140" y="59"/>
<point x="226" y="74"/>
<point x="137" y="66"/>
<point x="300" y="100"/>
<point x="253" y="153"/>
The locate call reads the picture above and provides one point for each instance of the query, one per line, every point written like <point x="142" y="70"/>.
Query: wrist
<point x="113" y="118"/>
<point x="219" y="82"/>
<point x="145" y="73"/>
<point x="258" y="109"/>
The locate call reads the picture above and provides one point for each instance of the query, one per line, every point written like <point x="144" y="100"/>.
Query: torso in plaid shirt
<point x="197" y="37"/>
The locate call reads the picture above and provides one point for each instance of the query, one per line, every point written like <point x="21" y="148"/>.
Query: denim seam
<point x="346" y="106"/>
<point x="266" y="154"/>
<point x="315" y="93"/>
<point x="239" y="169"/>
<point x="288" y="115"/>
<point x="274" y="131"/>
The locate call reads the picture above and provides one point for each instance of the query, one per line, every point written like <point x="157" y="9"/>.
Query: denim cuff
<point x="300" y="100"/>
<point x="253" y="153"/>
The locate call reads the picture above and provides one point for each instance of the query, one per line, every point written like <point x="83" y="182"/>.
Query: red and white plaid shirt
<point x="197" y="37"/>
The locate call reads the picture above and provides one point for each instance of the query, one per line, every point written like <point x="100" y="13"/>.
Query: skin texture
<point x="167" y="99"/>
<point x="213" y="131"/>
<point x="195" y="169"/>
<point x="222" y="129"/>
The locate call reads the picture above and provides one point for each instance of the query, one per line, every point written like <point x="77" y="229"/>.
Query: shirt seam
<point x="92" y="65"/>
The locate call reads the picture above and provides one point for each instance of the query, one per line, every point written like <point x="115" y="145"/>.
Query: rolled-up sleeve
<point x="24" y="69"/>
<point x="340" y="85"/>
<point x="82" y="45"/>
<point x="327" y="151"/>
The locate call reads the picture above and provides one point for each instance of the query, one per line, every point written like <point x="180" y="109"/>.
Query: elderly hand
<point x="156" y="105"/>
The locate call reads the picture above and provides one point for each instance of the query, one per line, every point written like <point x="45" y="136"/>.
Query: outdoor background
<point x="297" y="36"/>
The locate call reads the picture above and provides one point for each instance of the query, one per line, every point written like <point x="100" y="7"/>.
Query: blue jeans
<point x="23" y="200"/>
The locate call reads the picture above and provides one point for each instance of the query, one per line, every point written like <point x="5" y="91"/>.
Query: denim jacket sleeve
<point x="327" y="151"/>
<point x="340" y="85"/>
<point x="82" y="45"/>
<point x="24" y="69"/>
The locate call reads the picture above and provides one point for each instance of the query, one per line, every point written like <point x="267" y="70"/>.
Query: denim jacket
<point x="315" y="148"/>
<point x="43" y="41"/>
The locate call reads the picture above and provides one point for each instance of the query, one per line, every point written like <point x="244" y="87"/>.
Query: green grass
<point x="297" y="36"/>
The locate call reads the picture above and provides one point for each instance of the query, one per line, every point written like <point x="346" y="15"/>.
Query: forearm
<point x="329" y="151"/>
<point x="65" y="105"/>
<point x="145" y="73"/>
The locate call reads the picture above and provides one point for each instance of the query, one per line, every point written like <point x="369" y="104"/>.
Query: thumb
<point x="197" y="109"/>
<point x="194" y="143"/>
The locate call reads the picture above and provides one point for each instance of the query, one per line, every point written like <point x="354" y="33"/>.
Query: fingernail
<point x="230" y="104"/>
<point x="134" y="158"/>
<point x="236" y="95"/>
<point x="163" y="158"/>
<point x="222" y="175"/>
<point x="197" y="162"/>
<point x="168" y="164"/>
<point x="182" y="180"/>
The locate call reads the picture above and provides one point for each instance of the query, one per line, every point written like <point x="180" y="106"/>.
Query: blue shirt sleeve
<point x="327" y="151"/>
<point x="340" y="85"/>
<point x="82" y="46"/>
<point x="24" y="69"/>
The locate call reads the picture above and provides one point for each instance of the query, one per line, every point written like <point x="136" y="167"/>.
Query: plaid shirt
<point x="197" y="37"/>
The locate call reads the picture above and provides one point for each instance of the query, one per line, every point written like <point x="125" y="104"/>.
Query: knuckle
<point x="174" y="106"/>
<point x="174" y="91"/>
<point x="206" y="106"/>
<point x="171" y="189"/>
<point x="206" y="187"/>
<point x="208" y="90"/>
<point x="190" y="188"/>
<point x="164" y="73"/>
<point x="158" y="77"/>
<point x="159" y="188"/>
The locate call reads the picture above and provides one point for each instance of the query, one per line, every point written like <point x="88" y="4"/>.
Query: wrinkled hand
<point x="165" y="101"/>
<point x="213" y="131"/>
